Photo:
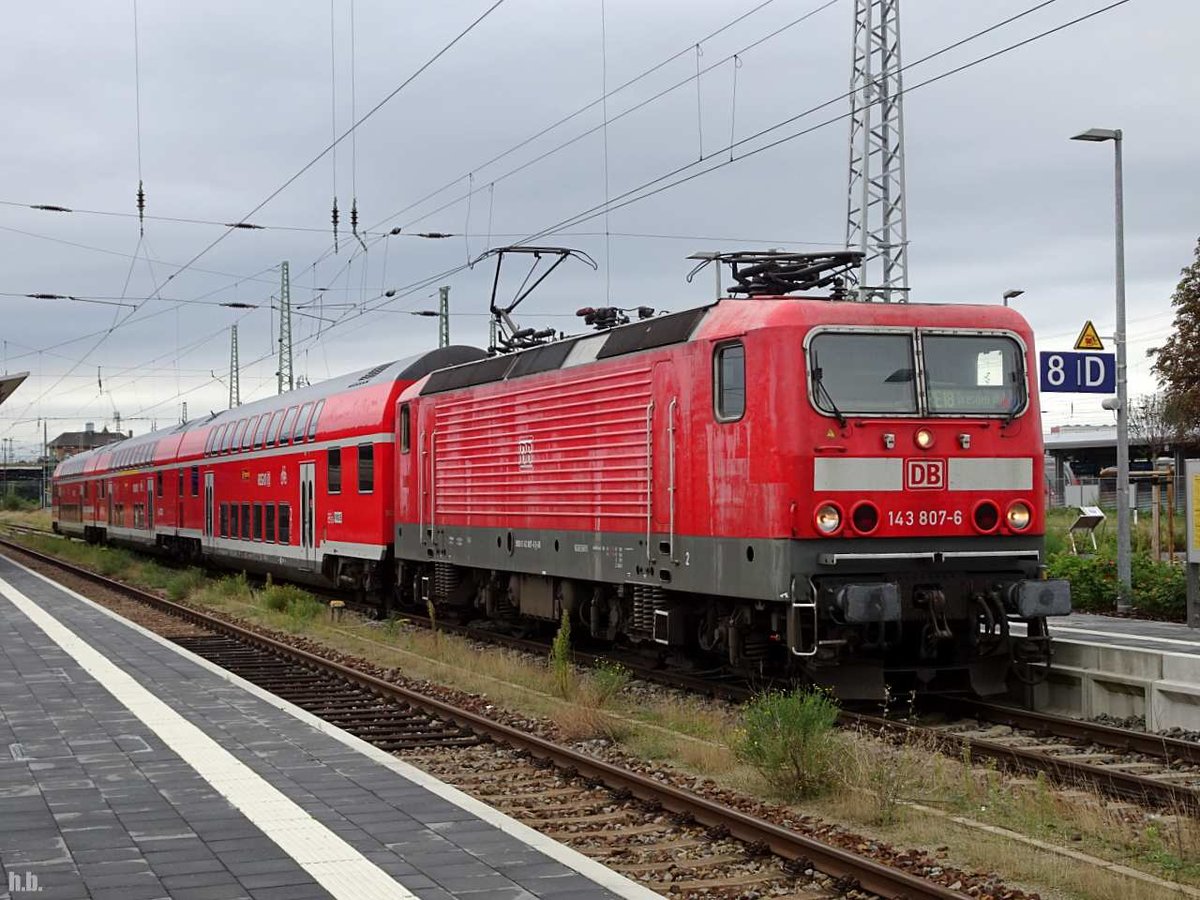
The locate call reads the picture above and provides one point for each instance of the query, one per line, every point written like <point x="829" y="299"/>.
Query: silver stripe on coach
<point x="887" y="474"/>
<point x="877" y="474"/>
<point x="990" y="474"/>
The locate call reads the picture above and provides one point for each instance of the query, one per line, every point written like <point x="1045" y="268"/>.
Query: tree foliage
<point x="1177" y="362"/>
<point x="1153" y="421"/>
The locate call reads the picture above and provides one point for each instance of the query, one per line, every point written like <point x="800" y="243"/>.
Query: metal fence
<point x="1102" y="492"/>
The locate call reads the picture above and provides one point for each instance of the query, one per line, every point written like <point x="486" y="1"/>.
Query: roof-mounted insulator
<point x="394" y="231"/>
<point x="141" y="208"/>
<point x="334" y="218"/>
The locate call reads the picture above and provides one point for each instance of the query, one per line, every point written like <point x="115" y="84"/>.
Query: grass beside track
<point x="907" y="795"/>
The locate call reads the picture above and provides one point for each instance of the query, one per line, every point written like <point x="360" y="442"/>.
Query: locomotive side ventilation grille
<point x="646" y="599"/>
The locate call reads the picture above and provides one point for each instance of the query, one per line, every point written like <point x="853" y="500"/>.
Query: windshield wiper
<point x="819" y="383"/>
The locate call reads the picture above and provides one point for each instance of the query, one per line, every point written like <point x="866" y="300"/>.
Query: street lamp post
<point x="1124" y="542"/>
<point x="1012" y="294"/>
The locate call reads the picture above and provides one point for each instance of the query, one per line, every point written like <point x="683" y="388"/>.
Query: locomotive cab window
<point x="973" y="375"/>
<point x="405" y="429"/>
<point x="335" y="470"/>
<point x="366" y="468"/>
<point x="729" y="377"/>
<point x="863" y="372"/>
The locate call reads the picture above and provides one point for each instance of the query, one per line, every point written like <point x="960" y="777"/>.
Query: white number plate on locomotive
<point x="908" y="518"/>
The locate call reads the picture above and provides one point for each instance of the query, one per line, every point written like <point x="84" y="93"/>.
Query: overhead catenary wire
<point x="637" y="197"/>
<point x="656" y="185"/>
<point x="585" y="108"/>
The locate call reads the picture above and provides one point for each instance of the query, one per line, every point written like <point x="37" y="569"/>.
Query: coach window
<point x="258" y="519"/>
<point x="405" y="429"/>
<point x="285" y="523"/>
<point x="158" y="481"/>
<point x="230" y="434"/>
<point x="246" y="521"/>
<point x="302" y="423"/>
<point x="366" y="468"/>
<point x="212" y="435"/>
<point x="273" y="428"/>
<point x="288" y="421"/>
<point x="312" y="425"/>
<point x="248" y="435"/>
<point x="260" y="433"/>
<point x="269" y="523"/>
<point x="335" y="470"/>
<point x="195" y="481"/>
<point x="224" y="520"/>
<point x="729" y="373"/>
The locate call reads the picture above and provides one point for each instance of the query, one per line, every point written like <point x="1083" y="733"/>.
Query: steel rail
<point x="1113" y="782"/>
<point x="870" y="875"/>
<point x="1158" y="745"/>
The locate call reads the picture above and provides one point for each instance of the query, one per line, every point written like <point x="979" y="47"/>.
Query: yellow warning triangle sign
<point x="1088" y="338"/>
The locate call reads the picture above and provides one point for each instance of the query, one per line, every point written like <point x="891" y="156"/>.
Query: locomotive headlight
<point x="828" y="518"/>
<point x="923" y="438"/>
<point x="1019" y="516"/>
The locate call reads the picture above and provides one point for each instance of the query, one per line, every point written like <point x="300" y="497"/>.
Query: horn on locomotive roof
<point x="771" y="272"/>
<point x="508" y="336"/>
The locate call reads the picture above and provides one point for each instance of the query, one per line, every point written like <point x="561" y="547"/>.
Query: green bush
<point x="608" y="679"/>
<point x="181" y="584"/>
<point x="789" y="739"/>
<point x="286" y="598"/>
<point x="1159" y="588"/>
<point x="560" y="658"/>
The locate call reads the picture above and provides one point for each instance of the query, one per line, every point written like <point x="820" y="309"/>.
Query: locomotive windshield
<point x="856" y="372"/>
<point x="876" y="374"/>
<point x="972" y="374"/>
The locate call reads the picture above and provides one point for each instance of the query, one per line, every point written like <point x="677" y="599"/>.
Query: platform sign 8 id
<point x="1077" y="373"/>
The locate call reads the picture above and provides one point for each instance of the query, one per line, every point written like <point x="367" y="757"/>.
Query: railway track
<point x="672" y="840"/>
<point x="1132" y="766"/>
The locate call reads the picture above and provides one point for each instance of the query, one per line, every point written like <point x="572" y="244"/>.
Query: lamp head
<point x="1098" y="134"/>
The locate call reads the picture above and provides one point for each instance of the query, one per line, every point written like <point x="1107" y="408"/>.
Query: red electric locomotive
<point x="300" y="485"/>
<point x="848" y="491"/>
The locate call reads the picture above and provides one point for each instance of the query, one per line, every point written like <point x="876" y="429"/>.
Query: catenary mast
<point x="875" y="218"/>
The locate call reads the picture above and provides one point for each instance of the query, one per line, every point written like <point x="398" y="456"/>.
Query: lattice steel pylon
<point x="875" y="217"/>
<point x="286" y="380"/>
<point x="235" y="386"/>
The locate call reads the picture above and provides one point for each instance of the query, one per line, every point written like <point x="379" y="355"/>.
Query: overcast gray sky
<point x="235" y="98"/>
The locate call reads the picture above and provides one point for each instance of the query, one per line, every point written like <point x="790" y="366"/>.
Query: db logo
<point x="924" y="474"/>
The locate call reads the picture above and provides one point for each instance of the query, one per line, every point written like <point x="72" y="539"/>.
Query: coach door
<point x="308" y="513"/>
<point x="150" y="503"/>
<point x="209" y="510"/>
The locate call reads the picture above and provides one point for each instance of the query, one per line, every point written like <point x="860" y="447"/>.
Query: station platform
<point x="1107" y="665"/>
<point x="131" y="769"/>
